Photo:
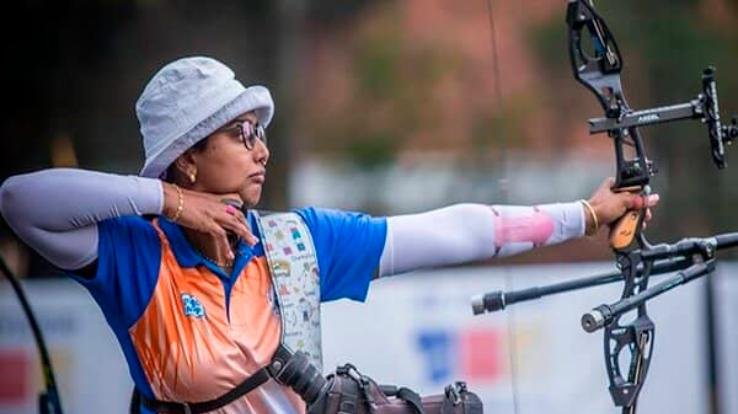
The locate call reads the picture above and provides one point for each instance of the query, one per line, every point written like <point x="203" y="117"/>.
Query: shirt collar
<point x="187" y="256"/>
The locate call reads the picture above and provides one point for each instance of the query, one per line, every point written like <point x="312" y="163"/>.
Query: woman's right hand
<point x="207" y="213"/>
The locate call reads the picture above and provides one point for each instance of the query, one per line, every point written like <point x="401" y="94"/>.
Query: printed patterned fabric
<point x="293" y="263"/>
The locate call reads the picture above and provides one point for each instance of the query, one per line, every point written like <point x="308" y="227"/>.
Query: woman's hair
<point x="172" y="173"/>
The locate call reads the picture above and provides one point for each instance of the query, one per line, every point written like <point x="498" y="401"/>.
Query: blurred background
<point x="395" y="107"/>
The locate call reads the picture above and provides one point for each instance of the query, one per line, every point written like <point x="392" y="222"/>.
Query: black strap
<point x="135" y="405"/>
<point x="256" y="379"/>
<point x="259" y="377"/>
<point x="298" y="373"/>
<point x="412" y="398"/>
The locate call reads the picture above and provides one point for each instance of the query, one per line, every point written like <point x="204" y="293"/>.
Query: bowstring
<point x="503" y="184"/>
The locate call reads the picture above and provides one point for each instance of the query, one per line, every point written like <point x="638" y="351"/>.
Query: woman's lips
<point x="258" y="177"/>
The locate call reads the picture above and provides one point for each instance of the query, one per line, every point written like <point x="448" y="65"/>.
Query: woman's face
<point x="226" y="166"/>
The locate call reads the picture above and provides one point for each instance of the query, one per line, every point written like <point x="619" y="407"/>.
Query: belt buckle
<point x="452" y="393"/>
<point x="187" y="408"/>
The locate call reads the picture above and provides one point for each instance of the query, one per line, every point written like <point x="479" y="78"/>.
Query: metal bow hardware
<point x="596" y="62"/>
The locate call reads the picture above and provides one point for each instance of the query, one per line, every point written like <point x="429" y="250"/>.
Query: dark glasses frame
<point x="248" y="133"/>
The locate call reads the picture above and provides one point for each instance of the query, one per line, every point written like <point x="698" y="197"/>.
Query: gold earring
<point x="193" y="176"/>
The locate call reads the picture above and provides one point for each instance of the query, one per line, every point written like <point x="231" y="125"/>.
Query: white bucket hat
<point x="186" y="101"/>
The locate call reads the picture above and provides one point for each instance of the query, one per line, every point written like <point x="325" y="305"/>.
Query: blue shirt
<point x="130" y="264"/>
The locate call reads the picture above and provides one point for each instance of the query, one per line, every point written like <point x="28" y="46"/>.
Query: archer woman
<point x="198" y="287"/>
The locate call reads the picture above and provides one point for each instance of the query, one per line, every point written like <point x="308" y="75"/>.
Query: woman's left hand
<point x="609" y="205"/>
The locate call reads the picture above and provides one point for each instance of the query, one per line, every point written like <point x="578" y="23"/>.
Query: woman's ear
<point x="185" y="162"/>
<point x="186" y="166"/>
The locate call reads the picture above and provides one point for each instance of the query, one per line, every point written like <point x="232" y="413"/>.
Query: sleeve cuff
<point x="148" y="195"/>
<point x="570" y="218"/>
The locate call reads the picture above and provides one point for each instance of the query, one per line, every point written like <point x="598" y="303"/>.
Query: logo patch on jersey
<point x="192" y="306"/>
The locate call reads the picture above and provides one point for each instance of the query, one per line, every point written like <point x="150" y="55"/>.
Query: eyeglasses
<point x="248" y="132"/>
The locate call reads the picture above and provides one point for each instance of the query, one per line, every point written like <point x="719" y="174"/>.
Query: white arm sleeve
<point x="56" y="211"/>
<point x="470" y="232"/>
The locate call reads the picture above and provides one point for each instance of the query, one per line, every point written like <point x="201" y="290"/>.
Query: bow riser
<point x="600" y="71"/>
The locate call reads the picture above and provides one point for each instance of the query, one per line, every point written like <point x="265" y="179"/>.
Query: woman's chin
<point x="251" y="197"/>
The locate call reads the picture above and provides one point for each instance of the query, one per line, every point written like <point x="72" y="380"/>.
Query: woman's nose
<point x="261" y="152"/>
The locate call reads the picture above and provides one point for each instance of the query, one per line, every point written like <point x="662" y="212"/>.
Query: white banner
<point x="726" y="299"/>
<point x="90" y="369"/>
<point x="418" y="331"/>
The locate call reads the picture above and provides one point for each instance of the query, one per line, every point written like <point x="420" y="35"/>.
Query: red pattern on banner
<point x="15" y="376"/>
<point x="480" y="354"/>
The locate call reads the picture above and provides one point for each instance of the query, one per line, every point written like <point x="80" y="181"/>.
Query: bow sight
<point x="703" y="107"/>
<point x="600" y="73"/>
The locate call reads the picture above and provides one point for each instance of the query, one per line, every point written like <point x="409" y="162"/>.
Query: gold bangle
<point x="594" y="218"/>
<point x="180" y="203"/>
